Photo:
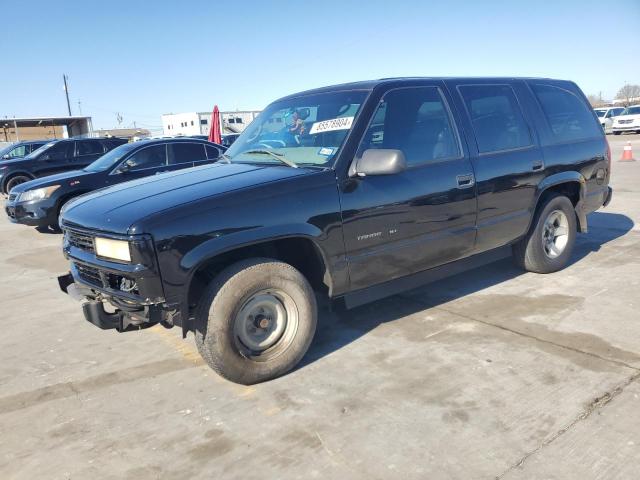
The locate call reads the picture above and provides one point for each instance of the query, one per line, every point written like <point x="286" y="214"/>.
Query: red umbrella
<point x="215" y="135"/>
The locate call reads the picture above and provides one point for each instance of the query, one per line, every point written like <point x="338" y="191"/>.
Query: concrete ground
<point x="494" y="373"/>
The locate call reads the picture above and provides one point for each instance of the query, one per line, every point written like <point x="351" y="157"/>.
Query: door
<point x="507" y="160"/>
<point x="55" y="159"/>
<point x="87" y="152"/>
<point x="399" y="224"/>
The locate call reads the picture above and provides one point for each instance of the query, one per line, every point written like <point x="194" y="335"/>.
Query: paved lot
<point x="490" y="374"/>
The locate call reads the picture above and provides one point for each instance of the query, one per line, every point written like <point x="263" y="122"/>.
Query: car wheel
<point x="549" y="244"/>
<point x="15" y="181"/>
<point x="255" y="320"/>
<point x="617" y="133"/>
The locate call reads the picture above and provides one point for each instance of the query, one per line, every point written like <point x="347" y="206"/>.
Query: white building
<point x="198" y="123"/>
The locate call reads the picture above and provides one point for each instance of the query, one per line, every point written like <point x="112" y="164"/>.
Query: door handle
<point x="538" y="165"/>
<point x="465" y="181"/>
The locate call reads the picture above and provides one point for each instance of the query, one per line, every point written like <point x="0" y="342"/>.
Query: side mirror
<point x="381" y="161"/>
<point x="6" y="157"/>
<point x="124" y="168"/>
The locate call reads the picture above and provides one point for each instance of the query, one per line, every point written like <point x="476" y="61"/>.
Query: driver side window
<point x="150" y="157"/>
<point x="417" y="122"/>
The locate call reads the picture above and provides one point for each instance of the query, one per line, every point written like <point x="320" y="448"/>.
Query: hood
<point x="115" y="209"/>
<point x="57" y="179"/>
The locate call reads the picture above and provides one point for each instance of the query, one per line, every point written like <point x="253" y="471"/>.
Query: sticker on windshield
<point x="342" y="123"/>
<point x="326" y="151"/>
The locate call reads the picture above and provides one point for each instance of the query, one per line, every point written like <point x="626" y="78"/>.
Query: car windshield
<point x="306" y="130"/>
<point x="631" y="111"/>
<point x="600" y="113"/>
<point x="111" y="158"/>
<point x="38" y="151"/>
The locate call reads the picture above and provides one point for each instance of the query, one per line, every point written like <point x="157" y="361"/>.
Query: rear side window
<point x="496" y="116"/>
<point x="149" y="157"/>
<point x="568" y="115"/>
<point x="84" y="147"/>
<point x="212" y="152"/>
<point x="186" y="153"/>
<point x="417" y="122"/>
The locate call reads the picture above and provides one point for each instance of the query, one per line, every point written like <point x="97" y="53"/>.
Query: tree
<point x="629" y="94"/>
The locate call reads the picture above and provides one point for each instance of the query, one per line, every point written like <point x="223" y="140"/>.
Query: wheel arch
<point x="12" y="174"/>
<point x="570" y="184"/>
<point x="302" y="251"/>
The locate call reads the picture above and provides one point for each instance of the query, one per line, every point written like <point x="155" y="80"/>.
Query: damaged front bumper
<point x="114" y="295"/>
<point x="123" y="318"/>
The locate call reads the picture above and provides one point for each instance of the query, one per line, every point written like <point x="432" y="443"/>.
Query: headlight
<point x="116" y="249"/>
<point x="38" y="193"/>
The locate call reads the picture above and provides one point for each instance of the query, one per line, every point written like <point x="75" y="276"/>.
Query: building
<point x="130" y="133"/>
<point x="198" y="123"/>
<point x="36" y="128"/>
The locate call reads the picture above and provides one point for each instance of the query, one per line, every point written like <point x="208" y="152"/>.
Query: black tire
<point x="532" y="252"/>
<point x="219" y="316"/>
<point x="14" y="181"/>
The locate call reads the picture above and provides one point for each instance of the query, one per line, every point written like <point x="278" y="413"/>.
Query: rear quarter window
<point x="568" y="116"/>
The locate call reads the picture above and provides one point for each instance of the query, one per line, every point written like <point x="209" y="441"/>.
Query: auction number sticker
<point x="342" y="123"/>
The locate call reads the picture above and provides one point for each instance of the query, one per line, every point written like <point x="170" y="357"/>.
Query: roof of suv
<point x="371" y="84"/>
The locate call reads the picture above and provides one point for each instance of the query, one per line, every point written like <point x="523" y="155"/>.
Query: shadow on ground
<point x="337" y="329"/>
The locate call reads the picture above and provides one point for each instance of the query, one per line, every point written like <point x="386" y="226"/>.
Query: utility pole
<point x="80" y="107"/>
<point x="66" y="92"/>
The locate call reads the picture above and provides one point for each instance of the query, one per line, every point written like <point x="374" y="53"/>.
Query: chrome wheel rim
<point x="265" y="324"/>
<point x="555" y="234"/>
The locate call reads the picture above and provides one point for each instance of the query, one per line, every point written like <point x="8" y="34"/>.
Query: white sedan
<point x="627" y="121"/>
<point x="606" y="115"/>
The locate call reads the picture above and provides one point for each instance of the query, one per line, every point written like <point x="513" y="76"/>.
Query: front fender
<point x="219" y="245"/>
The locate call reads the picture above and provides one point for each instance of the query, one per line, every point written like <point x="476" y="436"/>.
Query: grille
<point x="80" y="240"/>
<point x="94" y="277"/>
<point x="12" y="196"/>
<point x="89" y="274"/>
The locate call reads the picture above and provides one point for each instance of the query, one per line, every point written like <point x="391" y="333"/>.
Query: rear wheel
<point x="256" y="320"/>
<point x="548" y="245"/>
<point x="15" y="181"/>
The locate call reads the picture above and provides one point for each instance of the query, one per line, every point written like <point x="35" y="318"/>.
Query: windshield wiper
<point x="226" y="157"/>
<point x="277" y="156"/>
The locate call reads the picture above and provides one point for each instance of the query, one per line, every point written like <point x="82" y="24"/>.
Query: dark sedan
<point x="38" y="202"/>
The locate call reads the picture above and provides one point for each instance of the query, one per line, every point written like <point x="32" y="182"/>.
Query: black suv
<point x="20" y="149"/>
<point x="354" y="192"/>
<point x="38" y="202"/>
<point x="54" y="157"/>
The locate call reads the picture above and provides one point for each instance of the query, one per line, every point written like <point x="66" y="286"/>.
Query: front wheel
<point x="255" y="320"/>
<point x="15" y="181"/>
<point x="548" y="245"/>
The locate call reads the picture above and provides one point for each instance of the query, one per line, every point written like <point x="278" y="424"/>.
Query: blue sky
<point x="143" y="59"/>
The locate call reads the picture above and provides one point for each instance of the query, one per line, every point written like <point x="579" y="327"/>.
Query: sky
<point x="143" y="59"/>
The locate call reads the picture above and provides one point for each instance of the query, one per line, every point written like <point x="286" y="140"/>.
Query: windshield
<point x="631" y="111"/>
<point x="600" y="113"/>
<point x="111" y="158"/>
<point x="307" y="130"/>
<point x="38" y="151"/>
